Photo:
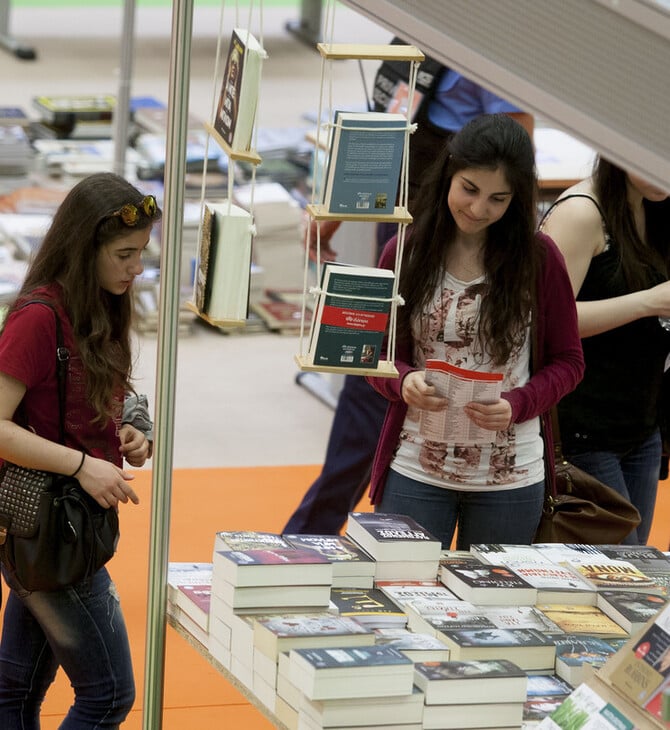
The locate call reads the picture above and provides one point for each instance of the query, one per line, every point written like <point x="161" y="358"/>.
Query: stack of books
<point x="189" y="598"/>
<point x="352" y="567"/>
<point x="471" y="694"/>
<point x="401" y="548"/>
<point x="257" y="573"/>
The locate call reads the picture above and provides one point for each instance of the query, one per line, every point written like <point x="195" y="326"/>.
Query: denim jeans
<point x="81" y="629"/>
<point x="500" y="516"/>
<point x="634" y="474"/>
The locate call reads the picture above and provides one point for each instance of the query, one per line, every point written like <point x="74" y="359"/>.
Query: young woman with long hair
<point x="474" y="276"/>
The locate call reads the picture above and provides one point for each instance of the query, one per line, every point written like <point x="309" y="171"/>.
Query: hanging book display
<point x="355" y="308"/>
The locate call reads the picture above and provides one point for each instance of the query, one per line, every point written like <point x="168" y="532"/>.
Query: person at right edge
<point x="614" y="232"/>
<point x="481" y="288"/>
<point x="360" y="411"/>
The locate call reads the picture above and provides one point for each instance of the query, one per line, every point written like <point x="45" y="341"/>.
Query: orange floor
<point x="204" y="501"/>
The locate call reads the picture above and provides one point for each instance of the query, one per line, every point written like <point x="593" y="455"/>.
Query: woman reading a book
<point x="84" y="270"/>
<point x="614" y="231"/>
<point x="474" y="276"/>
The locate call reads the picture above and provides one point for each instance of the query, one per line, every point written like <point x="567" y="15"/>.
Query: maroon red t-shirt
<point x="28" y="353"/>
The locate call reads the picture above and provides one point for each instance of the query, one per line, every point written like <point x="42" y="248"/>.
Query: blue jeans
<point x="81" y="629"/>
<point x="510" y="516"/>
<point x="634" y="474"/>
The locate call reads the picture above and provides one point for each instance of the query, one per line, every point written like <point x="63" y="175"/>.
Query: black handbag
<point x="53" y="534"/>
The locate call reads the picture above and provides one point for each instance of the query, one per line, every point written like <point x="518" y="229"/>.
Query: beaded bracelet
<point x="81" y="463"/>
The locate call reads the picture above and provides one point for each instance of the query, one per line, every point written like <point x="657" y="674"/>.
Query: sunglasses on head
<point x="130" y="214"/>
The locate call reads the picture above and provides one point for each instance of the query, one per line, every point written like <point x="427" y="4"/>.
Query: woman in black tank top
<point x="614" y="232"/>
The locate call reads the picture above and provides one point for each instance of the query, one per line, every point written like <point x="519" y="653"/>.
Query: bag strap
<point x="62" y="358"/>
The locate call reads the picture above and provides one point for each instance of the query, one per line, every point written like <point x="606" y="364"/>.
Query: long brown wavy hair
<point x="512" y="256"/>
<point x="101" y="321"/>
<point x="641" y="260"/>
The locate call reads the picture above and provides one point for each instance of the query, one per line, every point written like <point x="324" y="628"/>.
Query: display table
<point x="227" y="675"/>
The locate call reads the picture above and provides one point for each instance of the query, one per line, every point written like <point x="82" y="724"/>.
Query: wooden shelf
<point x="320" y="213"/>
<point x="250" y="156"/>
<point x="215" y="322"/>
<point x="371" y="52"/>
<point x="385" y="368"/>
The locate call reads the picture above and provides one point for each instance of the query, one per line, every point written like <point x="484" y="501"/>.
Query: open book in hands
<point x="460" y="387"/>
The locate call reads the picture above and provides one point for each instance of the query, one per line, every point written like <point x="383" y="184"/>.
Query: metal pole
<point x="175" y="167"/>
<point x="122" y="109"/>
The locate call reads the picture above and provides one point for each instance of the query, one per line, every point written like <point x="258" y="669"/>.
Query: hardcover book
<point x="248" y="540"/>
<point x="574" y="651"/>
<point x="364" y="163"/>
<point x="641" y="669"/>
<point x="370" y="607"/>
<point x="347" y="558"/>
<point x="388" y="712"/>
<point x="194" y="601"/>
<point x="417" y="646"/>
<point x="555" y="583"/>
<point x="272" y="598"/>
<point x="494" y="716"/>
<point x="67" y="110"/>
<point x="630" y="609"/>
<point x="580" y="619"/>
<point x="276" y="634"/>
<point x="528" y="648"/>
<point x="238" y="101"/>
<point x="223" y="271"/>
<point x="488" y="584"/>
<point x="465" y="682"/>
<point x="364" y="671"/>
<point x="273" y="566"/>
<point x="351" y="316"/>
<point x="613" y="575"/>
<point x="388" y="536"/>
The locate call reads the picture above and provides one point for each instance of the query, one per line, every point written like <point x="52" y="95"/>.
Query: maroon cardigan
<point x="559" y="357"/>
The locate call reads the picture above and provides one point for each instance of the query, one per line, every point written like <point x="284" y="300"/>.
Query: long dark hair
<point x="100" y="321"/>
<point x="641" y="261"/>
<point x="511" y="253"/>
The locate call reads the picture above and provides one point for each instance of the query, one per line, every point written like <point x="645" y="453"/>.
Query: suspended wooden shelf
<point x="319" y="212"/>
<point x="384" y="369"/>
<point x="370" y="52"/>
<point x="215" y="322"/>
<point x="250" y="156"/>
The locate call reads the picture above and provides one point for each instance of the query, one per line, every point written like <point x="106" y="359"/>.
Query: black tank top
<point x="615" y="407"/>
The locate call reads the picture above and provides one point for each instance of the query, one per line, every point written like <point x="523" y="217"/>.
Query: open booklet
<point x="460" y="386"/>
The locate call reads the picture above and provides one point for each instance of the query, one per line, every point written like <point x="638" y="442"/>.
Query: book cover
<point x="371" y="607"/>
<point x="488" y="584"/>
<point x="274" y="634"/>
<point x="388" y="536"/>
<point x="273" y="566"/>
<point x="363" y="671"/>
<point x="248" y="540"/>
<point x="238" y="101"/>
<point x="195" y="600"/>
<point x="630" y="609"/>
<point x="574" y="651"/>
<point x="506" y="554"/>
<point x="417" y="646"/>
<point x="223" y="271"/>
<point x="528" y="648"/>
<point x="613" y="574"/>
<point x="555" y="583"/>
<point x="351" y="316"/>
<point x="643" y="666"/>
<point x="347" y="557"/>
<point x="461" y="387"/>
<point x="462" y="682"/>
<point x="582" y="619"/>
<point x="182" y="573"/>
<point x="67" y="109"/>
<point x="586" y="709"/>
<point x="547" y="685"/>
<point x="561" y="552"/>
<point x="364" y="162"/>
